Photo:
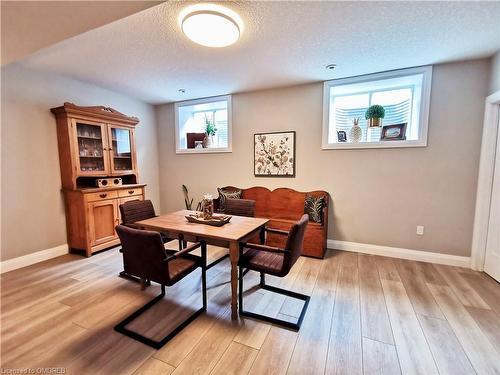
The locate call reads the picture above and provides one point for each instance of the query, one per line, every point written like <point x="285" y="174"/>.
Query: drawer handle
<point x="131" y="191"/>
<point x="103" y="195"/>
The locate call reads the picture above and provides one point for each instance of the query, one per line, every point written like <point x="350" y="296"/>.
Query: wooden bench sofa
<point x="284" y="207"/>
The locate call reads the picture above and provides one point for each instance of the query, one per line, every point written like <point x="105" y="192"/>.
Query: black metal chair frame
<point x="263" y="285"/>
<point x="121" y="327"/>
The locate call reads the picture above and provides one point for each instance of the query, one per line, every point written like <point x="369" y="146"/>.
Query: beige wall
<point x="495" y="73"/>
<point x="32" y="207"/>
<point x="379" y="196"/>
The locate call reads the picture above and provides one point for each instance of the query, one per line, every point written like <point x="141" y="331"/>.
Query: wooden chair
<point x="277" y="262"/>
<point x="237" y="207"/>
<point x="132" y="212"/>
<point x="148" y="259"/>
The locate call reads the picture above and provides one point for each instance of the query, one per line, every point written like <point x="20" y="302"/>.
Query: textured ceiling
<point x="28" y="26"/>
<point x="284" y="43"/>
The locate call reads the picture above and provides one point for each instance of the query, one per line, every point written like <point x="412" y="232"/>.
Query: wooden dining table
<point x="239" y="230"/>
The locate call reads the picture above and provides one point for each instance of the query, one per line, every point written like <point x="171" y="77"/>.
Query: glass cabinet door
<point x="121" y="150"/>
<point x="90" y="138"/>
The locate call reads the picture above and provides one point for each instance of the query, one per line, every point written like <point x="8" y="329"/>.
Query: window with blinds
<point x="404" y="95"/>
<point x="194" y="119"/>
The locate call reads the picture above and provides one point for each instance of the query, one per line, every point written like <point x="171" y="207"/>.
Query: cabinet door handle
<point x="103" y="195"/>
<point x="131" y="191"/>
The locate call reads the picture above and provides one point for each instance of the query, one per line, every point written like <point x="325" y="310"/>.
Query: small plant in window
<point x="374" y="115"/>
<point x="210" y="130"/>
<point x="210" y="127"/>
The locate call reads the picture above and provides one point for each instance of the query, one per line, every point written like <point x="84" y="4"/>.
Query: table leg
<point x="234" y="254"/>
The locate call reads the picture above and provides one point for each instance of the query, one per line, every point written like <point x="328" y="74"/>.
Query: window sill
<point x="385" y="144"/>
<point x="203" y="150"/>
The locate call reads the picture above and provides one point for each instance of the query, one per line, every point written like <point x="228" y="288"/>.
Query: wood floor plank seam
<point x="427" y="340"/>
<point x="413" y="350"/>
<point x="468" y="331"/>
<point x="331" y="317"/>
<point x="455" y="337"/>
<point x="159" y="359"/>
<point x="346" y="356"/>
<point x="390" y="323"/>
<point x="331" y="320"/>
<point x="360" y="323"/>
<point x="76" y="324"/>
<point x="290" y="359"/>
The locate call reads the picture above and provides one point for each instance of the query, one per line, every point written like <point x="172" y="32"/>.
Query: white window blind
<point x="394" y="114"/>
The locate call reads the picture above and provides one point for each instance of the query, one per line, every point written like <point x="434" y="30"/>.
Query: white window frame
<point x="423" y="114"/>
<point x="179" y="150"/>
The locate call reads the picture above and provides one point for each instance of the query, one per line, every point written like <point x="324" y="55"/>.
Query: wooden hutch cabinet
<point x="96" y="143"/>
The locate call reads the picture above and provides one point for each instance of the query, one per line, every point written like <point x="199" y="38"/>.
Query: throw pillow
<point x="227" y="194"/>
<point x="313" y="206"/>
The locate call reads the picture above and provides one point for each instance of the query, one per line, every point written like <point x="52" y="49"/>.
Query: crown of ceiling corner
<point x="211" y="25"/>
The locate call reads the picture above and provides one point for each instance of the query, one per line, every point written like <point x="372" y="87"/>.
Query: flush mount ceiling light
<point x="211" y="25"/>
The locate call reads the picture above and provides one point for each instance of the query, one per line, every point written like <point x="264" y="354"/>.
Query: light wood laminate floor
<point x="367" y="315"/>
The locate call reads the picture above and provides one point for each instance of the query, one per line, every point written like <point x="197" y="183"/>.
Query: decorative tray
<point x="216" y="220"/>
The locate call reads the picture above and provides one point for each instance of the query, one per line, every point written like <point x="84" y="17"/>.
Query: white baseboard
<point x="396" y="252"/>
<point x="28" y="260"/>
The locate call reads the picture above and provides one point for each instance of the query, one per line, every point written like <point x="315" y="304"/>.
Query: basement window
<point x="203" y="125"/>
<point x="404" y="95"/>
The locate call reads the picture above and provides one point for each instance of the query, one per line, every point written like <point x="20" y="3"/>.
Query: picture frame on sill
<point x="394" y="132"/>
<point x="341" y="136"/>
<point x="274" y="154"/>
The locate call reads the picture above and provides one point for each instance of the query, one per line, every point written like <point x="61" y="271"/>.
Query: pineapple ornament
<point x="356" y="133"/>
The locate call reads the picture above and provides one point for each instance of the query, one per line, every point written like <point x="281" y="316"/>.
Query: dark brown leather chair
<point x="274" y="261"/>
<point x="191" y="138"/>
<point x="147" y="258"/>
<point x="240" y="207"/>
<point x="236" y="207"/>
<point x="132" y="212"/>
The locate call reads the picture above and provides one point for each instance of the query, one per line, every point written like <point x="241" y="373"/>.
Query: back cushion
<point x="227" y="194"/>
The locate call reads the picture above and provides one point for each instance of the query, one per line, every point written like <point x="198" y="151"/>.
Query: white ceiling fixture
<point x="211" y="25"/>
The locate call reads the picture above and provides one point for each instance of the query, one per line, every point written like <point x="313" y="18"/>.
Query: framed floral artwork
<point x="274" y="154"/>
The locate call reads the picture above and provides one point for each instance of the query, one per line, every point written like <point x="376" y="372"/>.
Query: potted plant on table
<point x="210" y="131"/>
<point x="374" y="115"/>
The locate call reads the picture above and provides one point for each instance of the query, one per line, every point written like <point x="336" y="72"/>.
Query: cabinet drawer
<point x="129" y="192"/>
<point x="92" y="197"/>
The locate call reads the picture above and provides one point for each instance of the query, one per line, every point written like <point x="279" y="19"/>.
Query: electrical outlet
<point x="420" y="230"/>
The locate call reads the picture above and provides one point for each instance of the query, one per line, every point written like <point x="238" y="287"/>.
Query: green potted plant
<point x="210" y="131"/>
<point x="374" y="115"/>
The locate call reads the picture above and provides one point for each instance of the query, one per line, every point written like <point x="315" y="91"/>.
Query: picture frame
<point x="341" y="136"/>
<point x="274" y="154"/>
<point x="394" y="132"/>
